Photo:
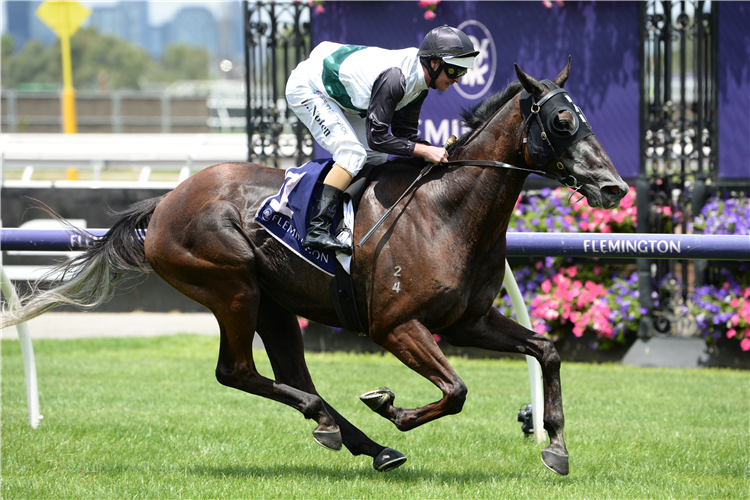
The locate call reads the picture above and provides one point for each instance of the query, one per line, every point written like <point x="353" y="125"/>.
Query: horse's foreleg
<point x="495" y="332"/>
<point x="414" y="346"/>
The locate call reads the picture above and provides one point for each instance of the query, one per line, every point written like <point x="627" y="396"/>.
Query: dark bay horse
<point x="434" y="266"/>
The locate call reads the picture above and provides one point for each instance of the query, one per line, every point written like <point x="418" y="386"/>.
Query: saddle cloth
<point x="286" y="215"/>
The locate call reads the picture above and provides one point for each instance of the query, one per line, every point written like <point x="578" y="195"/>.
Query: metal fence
<point x="678" y="144"/>
<point x="278" y="35"/>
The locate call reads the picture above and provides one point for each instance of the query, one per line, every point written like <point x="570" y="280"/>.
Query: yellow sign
<point x="64" y="17"/>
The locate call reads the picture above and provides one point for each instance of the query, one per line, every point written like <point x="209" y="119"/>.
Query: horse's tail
<point x="89" y="279"/>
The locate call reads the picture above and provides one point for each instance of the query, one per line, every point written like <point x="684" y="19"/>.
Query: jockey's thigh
<point x="329" y="126"/>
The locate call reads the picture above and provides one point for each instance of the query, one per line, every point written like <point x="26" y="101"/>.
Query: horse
<point x="433" y="267"/>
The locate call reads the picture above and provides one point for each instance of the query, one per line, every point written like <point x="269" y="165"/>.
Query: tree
<point x="98" y="57"/>
<point x="182" y="62"/>
<point x="93" y="53"/>
<point x="7" y="46"/>
<point x="33" y="63"/>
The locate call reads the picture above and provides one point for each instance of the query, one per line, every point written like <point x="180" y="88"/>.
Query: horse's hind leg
<point x="495" y="332"/>
<point x="282" y="339"/>
<point x="236" y="368"/>
<point x="211" y="262"/>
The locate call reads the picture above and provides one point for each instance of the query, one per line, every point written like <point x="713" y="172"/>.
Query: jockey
<point x="349" y="96"/>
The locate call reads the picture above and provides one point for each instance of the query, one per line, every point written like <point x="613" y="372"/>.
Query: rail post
<point x="27" y="350"/>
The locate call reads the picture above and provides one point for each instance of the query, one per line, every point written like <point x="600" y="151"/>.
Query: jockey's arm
<point x="387" y="91"/>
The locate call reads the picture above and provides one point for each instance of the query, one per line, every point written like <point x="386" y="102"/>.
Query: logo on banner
<point x="478" y="79"/>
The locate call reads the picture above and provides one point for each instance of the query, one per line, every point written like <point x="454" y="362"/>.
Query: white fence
<point x="99" y="152"/>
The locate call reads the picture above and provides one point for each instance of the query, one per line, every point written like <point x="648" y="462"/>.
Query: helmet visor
<point x="464" y="62"/>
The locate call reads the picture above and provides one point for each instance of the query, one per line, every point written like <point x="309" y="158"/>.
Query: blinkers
<point x="546" y="135"/>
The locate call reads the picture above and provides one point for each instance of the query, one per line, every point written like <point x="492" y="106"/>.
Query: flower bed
<point x="572" y="298"/>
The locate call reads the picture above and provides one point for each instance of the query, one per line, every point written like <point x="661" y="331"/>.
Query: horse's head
<point x="559" y="141"/>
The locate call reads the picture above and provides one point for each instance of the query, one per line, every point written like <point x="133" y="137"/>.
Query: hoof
<point x="328" y="439"/>
<point x="555" y="462"/>
<point x="378" y="398"/>
<point x="388" y="459"/>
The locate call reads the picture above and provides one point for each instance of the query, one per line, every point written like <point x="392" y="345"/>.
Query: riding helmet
<point x="448" y="45"/>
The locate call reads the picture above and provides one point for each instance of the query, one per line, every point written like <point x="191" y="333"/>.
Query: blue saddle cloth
<point x="286" y="214"/>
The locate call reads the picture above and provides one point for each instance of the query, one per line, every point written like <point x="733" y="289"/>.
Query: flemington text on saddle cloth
<point x="286" y="215"/>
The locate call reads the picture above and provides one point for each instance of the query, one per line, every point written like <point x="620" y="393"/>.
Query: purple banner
<point x="602" y="39"/>
<point x="734" y="90"/>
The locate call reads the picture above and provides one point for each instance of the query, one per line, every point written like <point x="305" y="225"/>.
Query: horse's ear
<point x="563" y="76"/>
<point x="531" y="85"/>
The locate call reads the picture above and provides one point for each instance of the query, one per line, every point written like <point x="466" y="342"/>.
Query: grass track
<point x="145" y="418"/>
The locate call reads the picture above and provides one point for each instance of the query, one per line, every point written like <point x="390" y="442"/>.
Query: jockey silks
<point x="349" y="96"/>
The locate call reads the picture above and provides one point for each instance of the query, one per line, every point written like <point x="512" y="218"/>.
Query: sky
<point x="159" y="11"/>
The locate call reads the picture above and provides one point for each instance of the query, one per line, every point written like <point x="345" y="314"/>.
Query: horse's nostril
<point x="613" y="189"/>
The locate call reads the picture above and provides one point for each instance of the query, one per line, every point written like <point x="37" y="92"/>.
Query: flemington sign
<point x="630" y="246"/>
<point x="651" y="247"/>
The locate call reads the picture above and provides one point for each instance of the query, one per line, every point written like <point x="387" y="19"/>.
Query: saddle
<point x="286" y="215"/>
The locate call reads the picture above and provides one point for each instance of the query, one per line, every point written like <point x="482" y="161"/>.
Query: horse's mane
<point x="482" y="112"/>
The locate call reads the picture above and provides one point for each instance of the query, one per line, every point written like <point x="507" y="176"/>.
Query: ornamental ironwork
<point x="678" y="146"/>
<point x="277" y="37"/>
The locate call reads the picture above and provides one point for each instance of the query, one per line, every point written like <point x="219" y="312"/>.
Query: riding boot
<point x="319" y="230"/>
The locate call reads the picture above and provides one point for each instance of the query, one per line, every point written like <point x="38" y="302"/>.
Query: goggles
<point x="453" y="71"/>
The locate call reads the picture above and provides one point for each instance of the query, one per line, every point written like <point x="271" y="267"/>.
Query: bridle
<point x="542" y="140"/>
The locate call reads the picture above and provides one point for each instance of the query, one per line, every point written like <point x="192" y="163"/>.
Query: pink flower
<point x="572" y="271"/>
<point x="303" y="323"/>
<point x="320" y="9"/>
<point x="578" y="331"/>
<point x="425" y="4"/>
<point x="548" y="4"/>
<point x="745" y="344"/>
<point x="731" y="333"/>
<point x="735" y="319"/>
<point x="429" y="15"/>
<point x="436" y="337"/>
<point x="735" y="303"/>
<point x="546" y="286"/>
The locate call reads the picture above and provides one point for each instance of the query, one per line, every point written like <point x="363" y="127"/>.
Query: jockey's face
<point x="443" y="80"/>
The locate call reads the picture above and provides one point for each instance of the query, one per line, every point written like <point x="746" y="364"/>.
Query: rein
<point x="566" y="180"/>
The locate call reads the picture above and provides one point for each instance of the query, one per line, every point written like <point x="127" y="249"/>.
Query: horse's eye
<point x="564" y="123"/>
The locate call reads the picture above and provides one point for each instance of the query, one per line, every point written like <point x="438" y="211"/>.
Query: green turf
<point x="145" y="418"/>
